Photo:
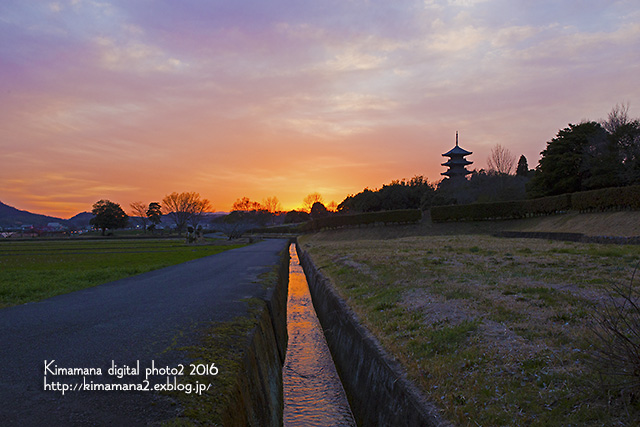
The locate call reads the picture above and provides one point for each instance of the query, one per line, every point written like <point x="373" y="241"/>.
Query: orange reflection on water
<point x="313" y="393"/>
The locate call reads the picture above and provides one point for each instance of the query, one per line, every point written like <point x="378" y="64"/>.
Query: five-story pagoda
<point x="456" y="163"/>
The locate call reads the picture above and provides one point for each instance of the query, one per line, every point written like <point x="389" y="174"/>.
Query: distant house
<point x="457" y="163"/>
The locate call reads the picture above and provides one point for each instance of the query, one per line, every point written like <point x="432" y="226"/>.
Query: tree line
<point x="587" y="156"/>
<point x="186" y="212"/>
<point x="184" y="209"/>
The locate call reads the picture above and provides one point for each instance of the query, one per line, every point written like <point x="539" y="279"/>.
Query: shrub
<point x="616" y="327"/>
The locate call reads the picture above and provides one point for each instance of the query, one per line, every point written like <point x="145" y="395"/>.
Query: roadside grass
<point x="223" y="344"/>
<point x="35" y="270"/>
<point x="494" y="331"/>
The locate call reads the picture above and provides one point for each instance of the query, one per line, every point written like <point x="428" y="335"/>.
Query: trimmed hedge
<point x="477" y="211"/>
<point x="279" y="229"/>
<point x="501" y="210"/>
<point x="607" y="199"/>
<point x="386" y="217"/>
<point x="548" y="205"/>
<point x="585" y="201"/>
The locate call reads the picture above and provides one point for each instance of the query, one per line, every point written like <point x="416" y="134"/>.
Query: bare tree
<point x="272" y="204"/>
<point x="311" y="199"/>
<point x="245" y="204"/>
<point x="618" y="117"/>
<point x="139" y="210"/>
<point x="501" y="160"/>
<point x="185" y="208"/>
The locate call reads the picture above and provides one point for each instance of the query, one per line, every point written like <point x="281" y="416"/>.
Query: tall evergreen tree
<point x="154" y="214"/>
<point x="523" y="166"/>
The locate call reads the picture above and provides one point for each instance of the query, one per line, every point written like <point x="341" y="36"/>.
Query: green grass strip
<point x="32" y="271"/>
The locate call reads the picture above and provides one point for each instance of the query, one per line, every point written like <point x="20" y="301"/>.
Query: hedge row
<point x="501" y="210"/>
<point x="386" y="217"/>
<point x="594" y="200"/>
<point x="607" y="199"/>
<point x="278" y="229"/>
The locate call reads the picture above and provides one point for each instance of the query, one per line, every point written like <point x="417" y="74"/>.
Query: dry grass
<point x="493" y="330"/>
<point x="626" y="224"/>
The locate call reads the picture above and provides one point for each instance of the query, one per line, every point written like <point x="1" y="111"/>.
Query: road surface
<point x="140" y="319"/>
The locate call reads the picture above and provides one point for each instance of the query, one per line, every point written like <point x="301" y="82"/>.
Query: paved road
<point x="133" y="319"/>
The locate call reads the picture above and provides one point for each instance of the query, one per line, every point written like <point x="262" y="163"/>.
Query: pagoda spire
<point x="456" y="138"/>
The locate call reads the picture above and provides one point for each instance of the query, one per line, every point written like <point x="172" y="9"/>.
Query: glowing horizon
<point x="131" y="101"/>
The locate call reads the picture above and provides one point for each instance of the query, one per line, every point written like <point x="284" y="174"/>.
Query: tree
<point x="139" y="209"/>
<point x="624" y="134"/>
<point x="365" y="201"/>
<point x="600" y="166"/>
<point x="618" y="118"/>
<point x="246" y="205"/>
<point x="318" y="210"/>
<point x="236" y="223"/>
<point x="523" y="167"/>
<point x="564" y="166"/>
<point x="501" y="160"/>
<point x="491" y="186"/>
<point x="416" y="193"/>
<point x="108" y="214"/>
<point x="154" y="214"/>
<point x="590" y="155"/>
<point x="272" y="204"/>
<point x="185" y="208"/>
<point x="295" y="217"/>
<point x="310" y="200"/>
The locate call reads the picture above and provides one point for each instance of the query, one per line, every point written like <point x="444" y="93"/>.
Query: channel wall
<point x="258" y="393"/>
<point x="378" y="389"/>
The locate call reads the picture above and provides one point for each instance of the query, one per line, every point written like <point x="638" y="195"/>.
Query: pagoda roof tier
<point x="451" y="173"/>
<point x="457" y="151"/>
<point x="457" y="162"/>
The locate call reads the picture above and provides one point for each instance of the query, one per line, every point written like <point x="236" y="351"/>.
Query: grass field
<point x="34" y="270"/>
<point x="494" y="331"/>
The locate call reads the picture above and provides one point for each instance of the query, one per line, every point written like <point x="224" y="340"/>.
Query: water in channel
<point x="313" y="393"/>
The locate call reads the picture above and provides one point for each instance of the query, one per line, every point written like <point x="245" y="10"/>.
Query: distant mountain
<point x="12" y="217"/>
<point x="79" y="221"/>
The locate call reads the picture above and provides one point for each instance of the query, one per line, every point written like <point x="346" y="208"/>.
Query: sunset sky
<point x="131" y="100"/>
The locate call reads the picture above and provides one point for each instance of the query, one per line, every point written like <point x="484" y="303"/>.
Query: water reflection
<point x="313" y="393"/>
